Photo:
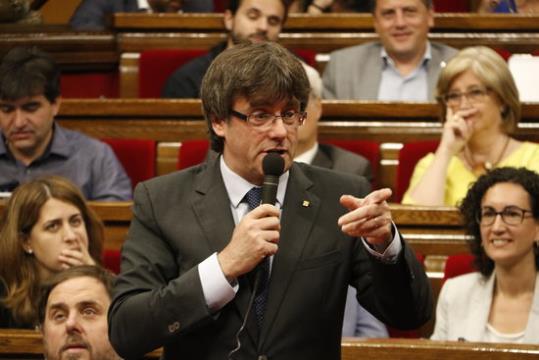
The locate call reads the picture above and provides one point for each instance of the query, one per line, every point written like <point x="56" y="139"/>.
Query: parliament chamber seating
<point x="137" y="156"/>
<point x="458" y="264"/>
<point x="156" y="65"/>
<point x="409" y="155"/>
<point x="27" y="344"/>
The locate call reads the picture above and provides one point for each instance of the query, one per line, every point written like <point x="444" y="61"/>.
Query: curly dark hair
<point x="470" y="207"/>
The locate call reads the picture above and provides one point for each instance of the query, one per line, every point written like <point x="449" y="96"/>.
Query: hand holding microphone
<point x="257" y="234"/>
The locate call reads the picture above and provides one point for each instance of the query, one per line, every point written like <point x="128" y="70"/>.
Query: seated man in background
<point x="402" y="66"/>
<point x="245" y="20"/>
<point x="357" y="321"/>
<point x="97" y="14"/>
<point x="73" y="315"/>
<point x="33" y="144"/>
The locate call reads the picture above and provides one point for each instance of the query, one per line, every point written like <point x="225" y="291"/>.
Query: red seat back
<point x="96" y="85"/>
<point x="137" y="157"/>
<point x="368" y="149"/>
<point x="452" y="5"/>
<point x="155" y="66"/>
<point x="458" y="264"/>
<point x="192" y="152"/>
<point x="112" y="260"/>
<point x="409" y="155"/>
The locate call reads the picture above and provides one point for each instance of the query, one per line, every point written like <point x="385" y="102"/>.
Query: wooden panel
<point x="323" y="42"/>
<point x="324" y="22"/>
<point x="26" y="344"/>
<point x="74" y="51"/>
<point x="420" y="349"/>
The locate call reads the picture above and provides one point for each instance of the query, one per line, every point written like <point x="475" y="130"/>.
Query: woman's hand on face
<point x="76" y="257"/>
<point x="457" y="130"/>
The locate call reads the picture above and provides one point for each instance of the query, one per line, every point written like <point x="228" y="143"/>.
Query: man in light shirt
<point x="402" y="66"/>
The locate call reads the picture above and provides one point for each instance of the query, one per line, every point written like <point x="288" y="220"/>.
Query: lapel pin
<point x="306" y="203"/>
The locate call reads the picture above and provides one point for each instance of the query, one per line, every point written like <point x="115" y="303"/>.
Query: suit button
<point x="262" y="357"/>
<point x="175" y="326"/>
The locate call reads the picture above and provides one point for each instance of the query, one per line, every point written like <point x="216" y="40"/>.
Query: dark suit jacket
<point x="96" y="14"/>
<point x="334" y="158"/>
<point x="182" y="218"/>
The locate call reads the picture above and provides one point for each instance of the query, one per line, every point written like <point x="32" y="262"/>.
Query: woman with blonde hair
<point x="46" y="227"/>
<point x="480" y="110"/>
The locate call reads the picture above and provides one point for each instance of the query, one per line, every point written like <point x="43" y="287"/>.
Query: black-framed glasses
<point x="474" y="96"/>
<point x="511" y="215"/>
<point x="263" y="121"/>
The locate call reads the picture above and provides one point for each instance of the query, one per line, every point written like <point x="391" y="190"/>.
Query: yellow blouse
<point x="459" y="178"/>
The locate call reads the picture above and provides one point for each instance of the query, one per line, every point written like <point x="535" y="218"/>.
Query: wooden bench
<point x="171" y="121"/>
<point x="27" y="344"/>
<point x="336" y="22"/>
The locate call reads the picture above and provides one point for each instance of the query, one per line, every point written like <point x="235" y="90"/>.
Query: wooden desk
<point x="74" y="51"/>
<point x="27" y="344"/>
<point x="420" y="349"/>
<point x="446" y="22"/>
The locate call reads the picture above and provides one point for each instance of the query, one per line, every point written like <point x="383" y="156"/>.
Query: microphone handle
<point x="269" y="189"/>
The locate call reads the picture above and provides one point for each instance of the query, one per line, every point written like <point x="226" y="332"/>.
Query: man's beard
<point x="238" y="39"/>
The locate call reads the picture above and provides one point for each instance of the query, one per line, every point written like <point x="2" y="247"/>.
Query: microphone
<point x="273" y="167"/>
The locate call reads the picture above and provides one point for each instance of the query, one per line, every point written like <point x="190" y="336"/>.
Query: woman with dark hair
<point x="499" y="302"/>
<point x="46" y="227"/>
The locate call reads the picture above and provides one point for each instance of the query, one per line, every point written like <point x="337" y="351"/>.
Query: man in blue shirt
<point x="33" y="144"/>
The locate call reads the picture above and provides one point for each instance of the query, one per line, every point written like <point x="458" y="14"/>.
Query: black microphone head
<point x="273" y="164"/>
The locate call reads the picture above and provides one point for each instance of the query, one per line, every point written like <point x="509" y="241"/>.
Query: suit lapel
<point x="480" y="305"/>
<point x="322" y="159"/>
<point x="371" y="76"/>
<point x="212" y="208"/>
<point x="532" y="328"/>
<point x="300" y="209"/>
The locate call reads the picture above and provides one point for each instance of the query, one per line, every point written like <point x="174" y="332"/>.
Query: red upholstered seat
<point x="155" y="66"/>
<point x="137" y="157"/>
<point x="112" y="260"/>
<point x="96" y="85"/>
<point x="368" y="149"/>
<point x="452" y="6"/>
<point x="192" y="152"/>
<point x="409" y="155"/>
<point x="458" y="264"/>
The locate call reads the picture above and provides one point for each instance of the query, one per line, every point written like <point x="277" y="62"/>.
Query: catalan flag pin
<point x="306" y="203"/>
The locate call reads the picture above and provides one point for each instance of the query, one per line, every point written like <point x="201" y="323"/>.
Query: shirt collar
<point x="59" y="144"/>
<point x="237" y="187"/>
<point x="308" y="156"/>
<point x="389" y="61"/>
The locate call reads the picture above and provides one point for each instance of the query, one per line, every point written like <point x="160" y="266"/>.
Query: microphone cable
<point x="247" y="313"/>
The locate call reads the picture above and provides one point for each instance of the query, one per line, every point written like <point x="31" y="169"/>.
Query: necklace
<point x="483" y="167"/>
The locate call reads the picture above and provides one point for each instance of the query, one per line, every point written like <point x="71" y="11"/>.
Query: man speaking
<point x="198" y="235"/>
